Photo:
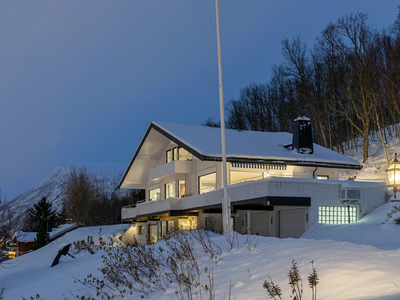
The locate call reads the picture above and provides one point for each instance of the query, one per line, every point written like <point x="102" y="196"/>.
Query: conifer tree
<point x="41" y="210"/>
<point x="42" y="237"/>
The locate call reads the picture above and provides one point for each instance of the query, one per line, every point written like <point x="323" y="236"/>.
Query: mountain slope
<point x="52" y="187"/>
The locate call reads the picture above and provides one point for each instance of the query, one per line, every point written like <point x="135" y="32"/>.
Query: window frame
<point x="159" y="194"/>
<point x="198" y="182"/>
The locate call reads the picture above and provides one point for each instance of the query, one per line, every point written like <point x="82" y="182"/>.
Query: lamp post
<point x="393" y="174"/>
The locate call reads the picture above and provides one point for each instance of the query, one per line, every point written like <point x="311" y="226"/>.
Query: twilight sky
<point x="80" y="81"/>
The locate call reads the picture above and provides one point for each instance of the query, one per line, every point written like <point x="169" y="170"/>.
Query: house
<point x="279" y="183"/>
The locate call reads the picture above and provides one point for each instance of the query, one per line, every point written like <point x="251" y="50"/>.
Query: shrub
<point x="295" y="282"/>
<point x="145" y="269"/>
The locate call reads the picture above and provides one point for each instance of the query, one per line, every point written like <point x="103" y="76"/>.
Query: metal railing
<point x="134" y="205"/>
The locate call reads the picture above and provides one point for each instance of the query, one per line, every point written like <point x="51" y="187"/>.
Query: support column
<point x="248" y="227"/>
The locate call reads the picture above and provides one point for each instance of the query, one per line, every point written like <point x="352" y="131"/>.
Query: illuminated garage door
<point x="291" y="223"/>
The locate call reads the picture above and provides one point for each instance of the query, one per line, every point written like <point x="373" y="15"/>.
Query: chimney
<point x="302" y="136"/>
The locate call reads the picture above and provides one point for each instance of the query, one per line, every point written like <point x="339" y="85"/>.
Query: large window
<point x="207" y="183"/>
<point x="178" y="153"/>
<point x="237" y="176"/>
<point x="175" y="188"/>
<point x="337" y="214"/>
<point x="184" y="155"/>
<point x="170" y="189"/>
<point x="154" y="195"/>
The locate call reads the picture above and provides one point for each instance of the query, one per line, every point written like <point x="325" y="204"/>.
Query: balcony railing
<point x="134" y="205"/>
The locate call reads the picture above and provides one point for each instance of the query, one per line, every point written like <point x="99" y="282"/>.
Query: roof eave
<point x="286" y="162"/>
<point x="167" y="135"/>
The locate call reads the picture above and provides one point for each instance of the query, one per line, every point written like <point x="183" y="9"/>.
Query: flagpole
<point x="226" y="206"/>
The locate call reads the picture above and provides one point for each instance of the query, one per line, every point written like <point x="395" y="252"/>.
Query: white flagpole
<point x="226" y="205"/>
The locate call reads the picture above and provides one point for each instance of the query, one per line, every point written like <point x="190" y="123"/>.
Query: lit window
<point x="141" y="230"/>
<point x="178" y="153"/>
<point x="154" y="195"/>
<point x="169" y="156"/>
<point x="170" y="189"/>
<point x="182" y="188"/>
<point x="337" y="214"/>
<point x="184" y="155"/>
<point x="237" y="177"/>
<point x="324" y="177"/>
<point x="207" y="183"/>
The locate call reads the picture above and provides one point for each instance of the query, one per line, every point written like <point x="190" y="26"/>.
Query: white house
<point x="279" y="184"/>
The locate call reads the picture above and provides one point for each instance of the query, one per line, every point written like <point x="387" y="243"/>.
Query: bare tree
<point x="8" y="223"/>
<point x="88" y="202"/>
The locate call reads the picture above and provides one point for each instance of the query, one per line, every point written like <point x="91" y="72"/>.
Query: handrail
<point x="134" y="204"/>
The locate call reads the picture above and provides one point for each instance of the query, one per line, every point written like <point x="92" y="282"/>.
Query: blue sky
<point x="80" y="81"/>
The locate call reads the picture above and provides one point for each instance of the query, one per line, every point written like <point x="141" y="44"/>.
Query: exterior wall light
<point x="393" y="174"/>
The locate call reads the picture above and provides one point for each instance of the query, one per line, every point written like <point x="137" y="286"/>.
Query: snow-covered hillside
<point x="354" y="261"/>
<point x="52" y="186"/>
<point x="361" y="269"/>
<point x="374" y="168"/>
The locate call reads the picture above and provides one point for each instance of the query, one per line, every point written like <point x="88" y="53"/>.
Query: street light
<point x="393" y="174"/>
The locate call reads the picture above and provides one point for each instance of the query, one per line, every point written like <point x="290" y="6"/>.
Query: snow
<point x="365" y="268"/>
<point x="52" y="186"/>
<point x="31" y="236"/>
<point x="249" y="144"/>
<point x="354" y="261"/>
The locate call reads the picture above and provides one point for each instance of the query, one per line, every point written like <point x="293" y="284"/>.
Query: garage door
<point x="291" y="223"/>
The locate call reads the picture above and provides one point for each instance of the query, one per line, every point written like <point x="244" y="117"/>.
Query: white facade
<point x="270" y="195"/>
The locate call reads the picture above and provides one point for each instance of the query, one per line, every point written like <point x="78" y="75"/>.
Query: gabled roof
<point x="205" y="144"/>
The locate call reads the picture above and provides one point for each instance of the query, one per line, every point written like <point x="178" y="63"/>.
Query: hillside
<point x="362" y="269"/>
<point x="354" y="261"/>
<point x="52" y="186"/>
<point x="374" y="168"/>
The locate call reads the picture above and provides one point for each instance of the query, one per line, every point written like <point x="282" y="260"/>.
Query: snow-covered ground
<point x="362" y="263"/>
<point x="354" y="261"/>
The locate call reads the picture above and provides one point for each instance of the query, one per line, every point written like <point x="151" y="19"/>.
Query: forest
<point x="347" y="84"/>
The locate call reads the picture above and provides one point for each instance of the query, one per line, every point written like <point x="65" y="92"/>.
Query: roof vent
<point x="302" y="136"/>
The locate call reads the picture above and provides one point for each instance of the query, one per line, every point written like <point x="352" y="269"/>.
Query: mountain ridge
<point x="52" y="187"/>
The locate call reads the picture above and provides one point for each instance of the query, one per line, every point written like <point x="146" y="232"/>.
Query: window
<point x="337" y="214"/>
<point x="175" y="188"/>
<point x="237" y="177"/>
<point x="169" y="156"/>
<point x="184" y="155"/>
<point x="178" y="153"/>
<point x="325" y="177"/>
<point x="170" y="189"/>
<point x="167" y="227"/>
<point x="155" y="194"/>
<point x="141" y="230"/>
<point x="153" y="234"/>
<point x="207" y="183"/>
<point x="182" y="188"/>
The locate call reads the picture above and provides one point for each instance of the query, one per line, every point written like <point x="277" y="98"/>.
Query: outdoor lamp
<point x="393" y="174"/>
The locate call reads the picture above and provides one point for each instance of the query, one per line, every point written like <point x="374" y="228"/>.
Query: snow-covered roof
<point x="252" y="146"/>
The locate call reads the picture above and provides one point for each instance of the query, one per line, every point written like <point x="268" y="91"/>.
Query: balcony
<point x="173" y="167"/>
